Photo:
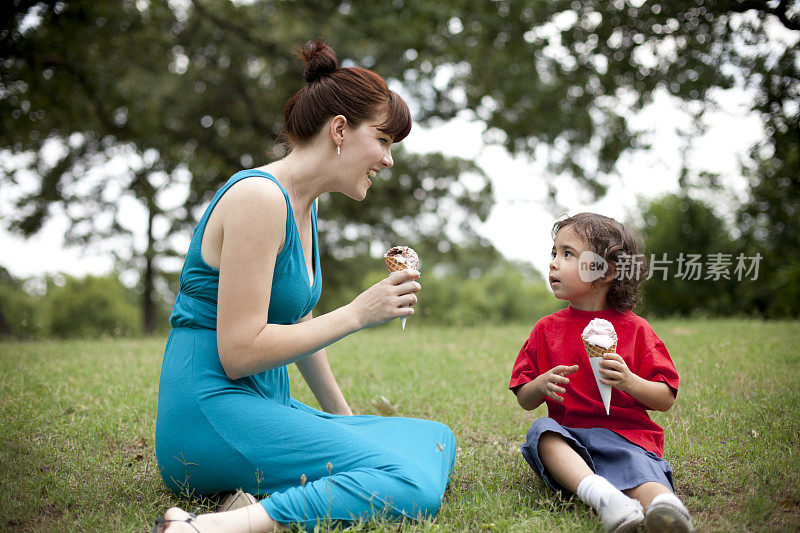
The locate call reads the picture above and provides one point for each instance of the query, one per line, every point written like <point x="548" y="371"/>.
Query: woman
<point x="226" y="419"/>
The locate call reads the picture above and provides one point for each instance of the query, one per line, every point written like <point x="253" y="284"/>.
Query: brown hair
<point x="620" y="247"/>
<point x="356" y="93"/>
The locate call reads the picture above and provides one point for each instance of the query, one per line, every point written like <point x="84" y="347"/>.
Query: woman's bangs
<point x="398" y="119"/>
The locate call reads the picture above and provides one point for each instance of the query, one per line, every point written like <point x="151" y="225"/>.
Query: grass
<point x="78" y="417"/>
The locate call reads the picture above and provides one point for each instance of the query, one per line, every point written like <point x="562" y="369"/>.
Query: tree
<point x="81" y="89"/>
<point x="560" y="79"/>
<point x="683" y="237"/>
<point x="183" y="93"/>
<point x="19" y="311"/>
<point x="769" y="221"/>
<point x="90" y="307"/>
<point x="194" y="91"/>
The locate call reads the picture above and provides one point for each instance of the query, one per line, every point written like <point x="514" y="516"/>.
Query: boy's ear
<point x="611" y="273"/>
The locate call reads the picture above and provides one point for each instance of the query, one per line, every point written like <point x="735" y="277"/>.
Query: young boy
<point x="612" y="460"/>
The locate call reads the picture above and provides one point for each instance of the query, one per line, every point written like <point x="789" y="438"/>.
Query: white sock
<point x="668" y="513"/>
<point x="592" y="490"/>
<point x="670" y="498"/>
<point x="614" y="508"/>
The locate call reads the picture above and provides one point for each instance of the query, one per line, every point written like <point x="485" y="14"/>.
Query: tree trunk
<point x="148" y="307"/>
<point x="5" y="327"/>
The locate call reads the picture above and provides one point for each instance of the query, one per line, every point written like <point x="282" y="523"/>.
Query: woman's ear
<point x="337" y="129"/>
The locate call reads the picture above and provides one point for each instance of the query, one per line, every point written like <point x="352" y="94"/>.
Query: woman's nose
<point x="387" y="159"/>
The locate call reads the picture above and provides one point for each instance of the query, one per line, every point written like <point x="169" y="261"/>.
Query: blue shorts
<point x="623" y="463"/>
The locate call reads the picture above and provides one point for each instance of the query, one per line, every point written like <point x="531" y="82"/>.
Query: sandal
<point x="236" y="500"/>
<point x="161" y="523"/>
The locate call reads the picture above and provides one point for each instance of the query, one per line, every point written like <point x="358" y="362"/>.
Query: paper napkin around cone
<point x="595" y="354"/>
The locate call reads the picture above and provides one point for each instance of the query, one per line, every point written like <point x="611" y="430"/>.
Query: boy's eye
<point x="552" y="255"/>
<point x="384" y="140"/>
<point x="567" y="253"/>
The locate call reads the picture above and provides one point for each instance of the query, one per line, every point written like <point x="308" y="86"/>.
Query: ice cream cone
<point x="595" y="354"/>
<point x="393" y="265"/>
<point x="593" y="350"/>
<point x="600" y="338"/>
<point x="401" y="258"/>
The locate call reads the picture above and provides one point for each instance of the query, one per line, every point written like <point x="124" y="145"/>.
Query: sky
<point x="519" y="224"/>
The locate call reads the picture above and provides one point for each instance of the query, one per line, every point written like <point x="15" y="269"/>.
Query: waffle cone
<point x="592" y="350"/>
<point x="393" y="265"/>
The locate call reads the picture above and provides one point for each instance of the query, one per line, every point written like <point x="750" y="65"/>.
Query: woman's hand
<point x="390" y="298"/>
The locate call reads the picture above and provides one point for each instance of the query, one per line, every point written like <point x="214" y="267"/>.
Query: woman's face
<point x="365" y="151"/>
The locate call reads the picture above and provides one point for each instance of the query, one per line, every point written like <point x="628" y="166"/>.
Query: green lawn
<point x="76" y="441"/>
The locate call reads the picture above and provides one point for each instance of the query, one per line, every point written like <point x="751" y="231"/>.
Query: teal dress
<point x="215" y="434"/>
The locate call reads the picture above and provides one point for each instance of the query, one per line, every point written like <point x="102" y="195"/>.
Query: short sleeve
<point x="525" y="367"/>
<point x="656" y="365"/>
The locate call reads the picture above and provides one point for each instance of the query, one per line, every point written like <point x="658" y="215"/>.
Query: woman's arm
<point x="252" y="222"/>
<point x="317" y="372"/>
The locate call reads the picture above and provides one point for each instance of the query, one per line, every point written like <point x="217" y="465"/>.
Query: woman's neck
<point x="302" y="176"/>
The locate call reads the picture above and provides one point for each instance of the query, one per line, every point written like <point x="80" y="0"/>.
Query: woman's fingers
<point x="401" y="276"/>
<point x="408" y="287"/>
<point x="409" y="300"/>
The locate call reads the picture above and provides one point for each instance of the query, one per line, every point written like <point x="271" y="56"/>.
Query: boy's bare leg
<point x="562" y="462"/>
<point x="646" y="492"/>
<point x="665" y="511"/>
<point x="618" y="512"/>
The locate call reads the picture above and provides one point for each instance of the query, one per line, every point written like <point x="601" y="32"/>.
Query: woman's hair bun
<point x="320" y="60"/>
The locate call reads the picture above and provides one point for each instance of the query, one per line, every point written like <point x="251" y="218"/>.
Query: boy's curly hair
<point x="622" y="249"/>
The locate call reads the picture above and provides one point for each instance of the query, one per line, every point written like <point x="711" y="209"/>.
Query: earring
<point x="338" y="149"/>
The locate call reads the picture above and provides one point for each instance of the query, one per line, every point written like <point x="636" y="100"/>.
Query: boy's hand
<point x="550" y="383"/>
<point x="615" y="372"/>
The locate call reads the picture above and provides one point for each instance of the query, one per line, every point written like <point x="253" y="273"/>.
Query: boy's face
<point x="566" y="281"/>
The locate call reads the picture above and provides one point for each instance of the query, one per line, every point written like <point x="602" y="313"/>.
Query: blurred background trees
<point x="147" y="106"/>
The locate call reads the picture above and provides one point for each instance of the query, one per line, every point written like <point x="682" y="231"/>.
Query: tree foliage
<point x="91" y="307"/>
<point x="561" y="79"/>
<point x="18" y="309"/>
<point x="675" y="228"/>
<point x="184" y="93"/>
<point x="70" y="307"/>
<point x="105" y="102"/>
<point x="756" y="275"/>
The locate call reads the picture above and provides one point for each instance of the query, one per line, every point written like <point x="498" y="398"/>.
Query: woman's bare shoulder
<point x="257" y="190"/>
<point x="254" y="197"/>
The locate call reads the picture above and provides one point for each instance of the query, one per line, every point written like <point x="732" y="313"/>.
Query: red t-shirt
<point x="556" y="340"/>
